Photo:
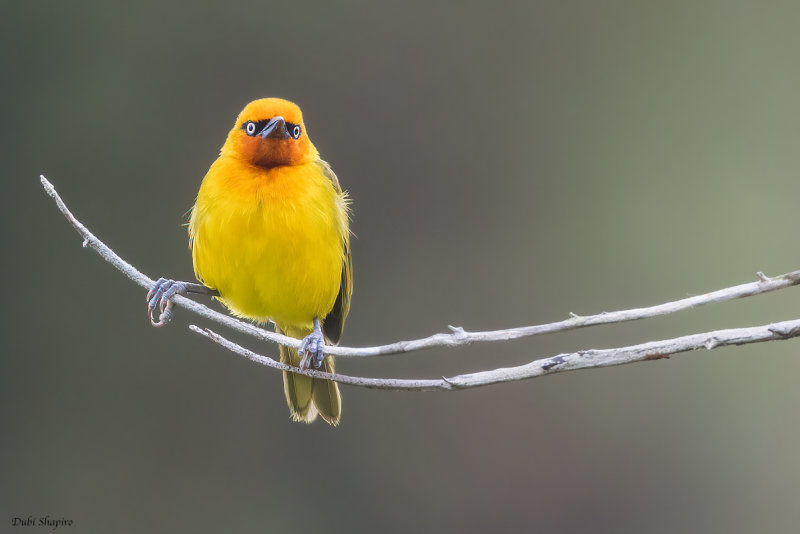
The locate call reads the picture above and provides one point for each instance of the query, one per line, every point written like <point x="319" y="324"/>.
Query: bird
<point x="270" y="239"/>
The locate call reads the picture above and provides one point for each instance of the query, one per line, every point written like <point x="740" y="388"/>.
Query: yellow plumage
<point x="270" y="241"/>
<point x="269" y="232"/>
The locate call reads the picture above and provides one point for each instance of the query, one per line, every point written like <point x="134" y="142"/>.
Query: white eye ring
<point x="296" y="132"/>
<point x="250" y="128"/>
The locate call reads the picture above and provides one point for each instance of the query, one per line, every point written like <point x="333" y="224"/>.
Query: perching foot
<point x="311" y="348"/>
<point x="161" y="297"/>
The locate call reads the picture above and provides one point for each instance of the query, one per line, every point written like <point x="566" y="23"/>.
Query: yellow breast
<point x="270" y="240"/>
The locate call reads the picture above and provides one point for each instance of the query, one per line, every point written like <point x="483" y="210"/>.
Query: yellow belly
<point x="270" y="240"/>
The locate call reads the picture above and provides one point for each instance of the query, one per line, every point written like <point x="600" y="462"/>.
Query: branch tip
<point x="763" y="277"/>
<point x="46" y="183"/>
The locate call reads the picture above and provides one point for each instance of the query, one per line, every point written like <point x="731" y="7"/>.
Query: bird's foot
<point x="161" y="297"/>
<point x="311" y="348"/>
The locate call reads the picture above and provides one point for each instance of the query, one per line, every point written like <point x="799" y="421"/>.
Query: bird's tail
<point x="308" y="397"/>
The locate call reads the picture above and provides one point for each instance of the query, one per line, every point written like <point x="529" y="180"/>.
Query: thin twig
<point x="377" y="383"/>
<point x="92" y="242"/>
<point x="586" y="359"/>
<point x="458" y="336"/>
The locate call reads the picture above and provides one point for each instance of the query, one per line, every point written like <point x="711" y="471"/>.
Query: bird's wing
<point x="333" y="324"/>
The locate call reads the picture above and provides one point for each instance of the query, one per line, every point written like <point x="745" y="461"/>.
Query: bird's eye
<point x="250" y="128"/>
<point x="295" y="131"/>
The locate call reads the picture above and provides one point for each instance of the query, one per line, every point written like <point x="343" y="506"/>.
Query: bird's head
<point x="270" y="132"/>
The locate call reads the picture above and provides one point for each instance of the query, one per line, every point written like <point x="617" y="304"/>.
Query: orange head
<point x="268" y="133"/>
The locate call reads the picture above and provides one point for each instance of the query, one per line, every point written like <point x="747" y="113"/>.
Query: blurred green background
<point x="508" y="163"/>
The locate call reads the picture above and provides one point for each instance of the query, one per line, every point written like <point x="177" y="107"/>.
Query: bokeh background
<point x="509" y="163"/>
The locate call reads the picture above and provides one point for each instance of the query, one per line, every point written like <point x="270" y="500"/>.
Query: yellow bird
<point x="270" y="239"/>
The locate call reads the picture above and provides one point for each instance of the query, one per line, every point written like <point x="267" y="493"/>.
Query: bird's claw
<point x="160" y="296"/>
<point x="311" y="349"/>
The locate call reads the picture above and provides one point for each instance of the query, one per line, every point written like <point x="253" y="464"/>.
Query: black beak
<point x="275" y="129"/>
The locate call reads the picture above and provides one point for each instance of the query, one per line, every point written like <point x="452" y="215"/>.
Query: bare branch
<point x="92" y="242"/>
<point x="585" y="359"/>
<point x="458" y="336"/>
<point x="376" y="383"/>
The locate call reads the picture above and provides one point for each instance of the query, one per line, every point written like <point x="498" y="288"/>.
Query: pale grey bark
<point x="458" y="336"/>
<point x="583" y="359"/>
